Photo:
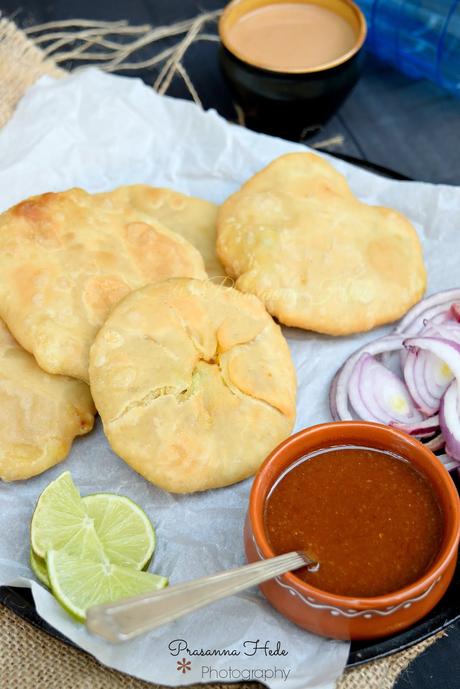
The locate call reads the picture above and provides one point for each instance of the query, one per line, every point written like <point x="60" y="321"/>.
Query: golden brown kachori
<point x="66" y="258"/>
<point x="194" y="383"/>
<point x="193" y="218"/>
<point x="316" y="256"/>
<point x="40" y="414"/>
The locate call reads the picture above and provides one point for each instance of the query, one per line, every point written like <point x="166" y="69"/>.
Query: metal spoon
<point x="130" y="617"/>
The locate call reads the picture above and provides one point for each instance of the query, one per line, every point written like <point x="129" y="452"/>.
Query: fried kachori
<point x="193" y="218"/>
<point x="194" y="383"/>
<point x="66" y="258"/>
<point x="40" y="414"/>
<point x="317" y="257"/>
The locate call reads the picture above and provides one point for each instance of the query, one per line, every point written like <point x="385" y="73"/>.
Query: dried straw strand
<point x="115" y="46"/>
<point x="143" y="64"/>
<point x="152" y="36"/>
<point x="165" y="77"/>
<point x="189" y="84"/>
<point x="94" y="30"/>
<point x="67" y="23"/>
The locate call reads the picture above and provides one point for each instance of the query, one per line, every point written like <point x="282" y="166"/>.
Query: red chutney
<point x="369" y="518"/>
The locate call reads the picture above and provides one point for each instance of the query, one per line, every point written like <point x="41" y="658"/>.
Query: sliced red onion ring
<point x="431" y="368"/>
<point x="427" y="376"/>
<point x="443" y="317"/>
<point x="436" y="443"/>
<point x="422" y="429"/>
<point x="333" y="396"/>
<point x="450" y="421"/>
<point x="449" y="329"/>
<point x="448" y="462"/>
<point x="440" y="326"/>
<point x="446" y="350"/>
<point x="435" y="317"/>
<point x="361" y="393"/>
<point x="455" y="310"/>
<point x="339" y="389"/>
<point x="377" y="394"/>
<point x="416" y="383"/>
<point x="417" y="312"/>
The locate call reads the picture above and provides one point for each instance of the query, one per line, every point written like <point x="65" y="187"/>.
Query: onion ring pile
<point x="424" y="399"/>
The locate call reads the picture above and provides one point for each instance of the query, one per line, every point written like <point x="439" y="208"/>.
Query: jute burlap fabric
<point x="29" y="658"/>
<point x="21" y="64"/>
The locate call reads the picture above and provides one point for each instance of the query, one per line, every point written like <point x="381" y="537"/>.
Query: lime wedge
<point x="38" y="565"/>
<point x="125" y="531"/>
<point x="94" y="546"/>
<point x="58" y="517"/>
<point x="79" y="584"/>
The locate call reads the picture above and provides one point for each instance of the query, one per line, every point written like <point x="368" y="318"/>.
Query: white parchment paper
<point x="98" y="131"/>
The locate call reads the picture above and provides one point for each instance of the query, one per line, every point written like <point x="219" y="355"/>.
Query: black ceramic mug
<point x="296" y="102"/>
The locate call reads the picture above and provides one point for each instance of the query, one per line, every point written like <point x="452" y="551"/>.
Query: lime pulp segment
<point x="58" y="516"/>
<point x="78" y="584"/>
<point x="124" y="530"/>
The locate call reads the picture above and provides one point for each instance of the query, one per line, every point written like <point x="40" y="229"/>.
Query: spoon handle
<point x="130" y="617"/>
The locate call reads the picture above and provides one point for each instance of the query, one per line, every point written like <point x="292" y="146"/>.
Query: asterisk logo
<point x="184" y="666"/>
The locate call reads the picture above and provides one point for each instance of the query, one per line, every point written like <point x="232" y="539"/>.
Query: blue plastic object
<point x="419" y="37"/>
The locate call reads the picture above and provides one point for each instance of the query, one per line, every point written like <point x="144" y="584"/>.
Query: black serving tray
<point x="20" y="600"/>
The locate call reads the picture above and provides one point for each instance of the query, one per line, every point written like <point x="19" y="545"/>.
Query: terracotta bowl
<point x="343" y="617"/>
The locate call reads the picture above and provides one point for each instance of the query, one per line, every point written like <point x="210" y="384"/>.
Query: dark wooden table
<point x="412" y="127"/>
<point x="409" y="126"/>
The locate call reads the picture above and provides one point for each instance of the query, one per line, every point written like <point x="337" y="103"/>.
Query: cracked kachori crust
<point x="194" y="383"/>
<point x="193" y="218"/>
<point x="66" y="258"/>
<point x="317" y="257"/>
<point x="40" y="414"/>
